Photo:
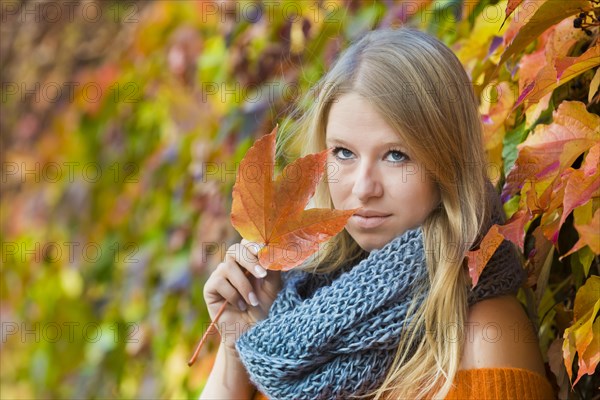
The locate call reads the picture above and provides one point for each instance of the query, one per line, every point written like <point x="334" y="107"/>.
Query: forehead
<point x="353" y="120"/>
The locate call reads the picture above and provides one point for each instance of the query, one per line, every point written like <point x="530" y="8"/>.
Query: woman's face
<point x="369" y="167"/>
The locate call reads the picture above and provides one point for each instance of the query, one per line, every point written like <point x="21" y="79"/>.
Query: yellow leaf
<point x="581" y="333"/>
<point x="594" y="86"/>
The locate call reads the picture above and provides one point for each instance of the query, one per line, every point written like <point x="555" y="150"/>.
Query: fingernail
<point x="253" y="299"/>
<point x="260" y="271"/>
<point x="242" y="305"/>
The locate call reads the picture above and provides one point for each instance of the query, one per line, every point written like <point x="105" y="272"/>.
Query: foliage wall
<point x="122" y="125"/>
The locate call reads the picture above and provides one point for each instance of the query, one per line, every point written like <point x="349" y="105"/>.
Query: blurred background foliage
<point x="122" y="123"/>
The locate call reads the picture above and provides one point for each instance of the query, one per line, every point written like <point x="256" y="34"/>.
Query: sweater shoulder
<point x="501" y="383"/>
<point x="493" y="384"/>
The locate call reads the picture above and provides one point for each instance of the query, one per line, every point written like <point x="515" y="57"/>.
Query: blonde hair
<point x="421" y="89"/>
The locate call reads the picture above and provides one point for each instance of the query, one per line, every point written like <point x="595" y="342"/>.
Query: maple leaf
<point x="273" y="212"/>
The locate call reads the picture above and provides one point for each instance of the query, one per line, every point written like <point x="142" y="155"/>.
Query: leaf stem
<point x="210" y="327"/>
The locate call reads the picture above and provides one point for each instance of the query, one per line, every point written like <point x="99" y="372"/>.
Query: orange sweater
<point x="493" y="384"/>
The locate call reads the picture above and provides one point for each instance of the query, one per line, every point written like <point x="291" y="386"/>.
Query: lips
<point x="370" y="213"/>
<point x="369" y="222"/>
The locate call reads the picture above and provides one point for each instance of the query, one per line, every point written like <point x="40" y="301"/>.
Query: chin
<point x="370" y="245"/>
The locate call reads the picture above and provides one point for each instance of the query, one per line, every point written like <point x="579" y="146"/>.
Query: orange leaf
<point x="550" y="77"/>
<point x="573" y="66"/>
<point x="514" y="228"/>
<point x="588" y="236"/>
<point x="583" y="184"/>
<point x="477" y="259"/>
<point x="272" y="212"/>
<point x="549" y="13"/>
<point x="552" y="148"/>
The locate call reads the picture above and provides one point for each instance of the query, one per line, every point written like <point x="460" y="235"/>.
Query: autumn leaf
<point x="548" y="14"/>
<point x="273" y="212"/>
<point x="583" y="183"/>
<point x="594" y="86"/>
<point x="510" y="7"/>
<point x="537" y="257"/>
<point x="588" y="235"/>
<point x="553" y="148"/>
<point x="513" y="230"/>
<point x="584" y="335"/>
<point x="477" y="259"/>
<point x="552" y="76"/>
<point x="539" y="67"/>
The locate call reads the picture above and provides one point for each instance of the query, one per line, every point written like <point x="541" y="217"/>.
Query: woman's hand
<point x="249" y="297"/>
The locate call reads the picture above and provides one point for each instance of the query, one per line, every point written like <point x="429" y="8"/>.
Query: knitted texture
<point x="493" y="384"/>
<point x="338" y="341"/>
<point x="329" y="336"/>
<point x="500" y="384"/>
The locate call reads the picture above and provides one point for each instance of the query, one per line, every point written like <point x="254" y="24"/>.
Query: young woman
<point x="386" y="310"/>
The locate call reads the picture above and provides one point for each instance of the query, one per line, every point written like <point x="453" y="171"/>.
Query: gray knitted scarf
<point x="330" y="336"/>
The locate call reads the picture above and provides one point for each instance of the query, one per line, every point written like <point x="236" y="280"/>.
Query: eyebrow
<point x="339" y="141"/>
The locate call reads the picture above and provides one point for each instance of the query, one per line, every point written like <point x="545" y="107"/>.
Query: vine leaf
<point x="583" y="337"/>
<point x="548" y="14"/>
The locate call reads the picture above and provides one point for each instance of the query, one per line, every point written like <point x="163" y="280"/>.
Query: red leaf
<point x="514" y="228"/>
<point x="477" y="259"/>
<point x="583" y="184"/>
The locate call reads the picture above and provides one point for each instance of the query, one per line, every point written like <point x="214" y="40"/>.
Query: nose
<point x="367" y="184"/>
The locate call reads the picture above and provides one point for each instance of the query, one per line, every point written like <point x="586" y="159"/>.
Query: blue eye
<point x="401" y="156"/>
<point x="337" y="150"/>
<point x="347" y="154"/>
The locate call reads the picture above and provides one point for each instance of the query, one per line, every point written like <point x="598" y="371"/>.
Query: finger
<point x="241" y="255"/>
<point x="241" y="283"/>
<point x="224" y="290"/>
<point x="253" y="247"/>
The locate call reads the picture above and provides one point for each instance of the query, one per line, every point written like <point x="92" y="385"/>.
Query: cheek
<point x="340" y="183"/>
<point x="430" y="197"/>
